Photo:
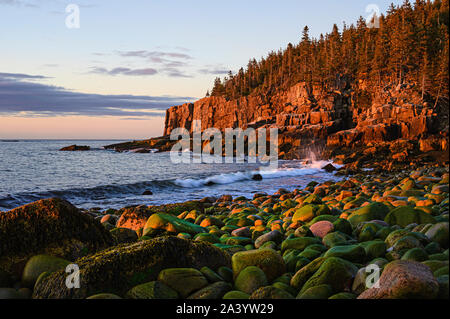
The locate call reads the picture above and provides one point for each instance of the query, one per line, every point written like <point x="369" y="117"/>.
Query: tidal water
<point x="34" y="169"/>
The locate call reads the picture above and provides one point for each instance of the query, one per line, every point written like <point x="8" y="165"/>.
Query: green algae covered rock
<point x="334" y="239"/>
<point x="316" y="292"/>
<point x="374" y="248"/>
<point x="406" y="215"/>
<point x="367" y="213"/>
<point x="152" y="290"/>
<point x="214" y="291"/>
<point x="104" y="296"/>
<point x="39" y="264"/>
<point x="120" y="268"/>
<point x="299" y="243"/>
<point x="343" y="295"/>
<point x="439" y="233"/>
<point x="302" y="275"/>
<point x="183" y="280"/>
<point x="210" y="274"/>
<point x="250" y="279"/>
<point x="172" y="224"/>
<point x="268" y="260"/>
<point x="235" y="294"/>
<point x="352" y="253"/>
<point x="270" y="292"/>
<point x="52" y="227"/>
<point x="415" y="254"/>
<point x="334" y="271"/>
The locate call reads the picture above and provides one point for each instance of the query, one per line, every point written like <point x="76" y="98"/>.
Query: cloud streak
<point x="21" y="97"/>
<point x="124" y="71"/>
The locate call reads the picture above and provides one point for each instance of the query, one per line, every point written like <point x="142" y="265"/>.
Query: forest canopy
<point x="409" y="45"/>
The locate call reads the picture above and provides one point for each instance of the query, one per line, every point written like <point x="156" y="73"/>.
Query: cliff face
<point x="311" y="118"/>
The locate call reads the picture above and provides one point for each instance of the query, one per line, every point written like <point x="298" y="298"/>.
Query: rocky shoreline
<point x="320" y="242"/>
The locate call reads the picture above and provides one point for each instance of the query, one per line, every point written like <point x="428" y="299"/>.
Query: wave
<point x="229" y="178"/>
<point x="124" y="191"/>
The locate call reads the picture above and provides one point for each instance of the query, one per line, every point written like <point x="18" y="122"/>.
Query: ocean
<point x="35" y="169"/>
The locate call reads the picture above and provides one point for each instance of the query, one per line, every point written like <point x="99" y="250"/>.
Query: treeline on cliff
<point x="410" y="44"/>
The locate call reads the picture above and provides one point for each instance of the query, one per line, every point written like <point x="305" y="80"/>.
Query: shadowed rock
<point x="50" y="226"/>
<point x="120" y="268"/>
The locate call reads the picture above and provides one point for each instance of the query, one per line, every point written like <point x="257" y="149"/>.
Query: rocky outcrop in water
<point x="331" y="123"/>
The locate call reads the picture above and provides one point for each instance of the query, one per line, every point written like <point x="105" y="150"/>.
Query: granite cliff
<point x="375" y="121"/>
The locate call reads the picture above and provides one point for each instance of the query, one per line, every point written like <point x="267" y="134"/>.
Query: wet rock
<point x="172" y="224"/>
<point x="322" y="228"/>
<point x="329" y="168"/>
<point x="152" y="290"/>
<point x="270" y="292"/>
<point x="404" y="280"/>
<point x="52" y="227"/>
<point x="268" y="260"/>
<point x="39" y="264"/>
<point x="120" y="268"/>
<point x="74" y="148"/>
<point x="214" y="291"/>
<point x="183" y="280"/>
<point x="250" y="279"/>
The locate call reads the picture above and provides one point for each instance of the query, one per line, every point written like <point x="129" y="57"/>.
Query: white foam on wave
<point x="229" y="178"/>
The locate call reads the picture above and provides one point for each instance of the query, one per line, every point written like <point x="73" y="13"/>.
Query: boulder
<point x="172" y="224"/>
<point x="270" y="292"/>
<point x="268" y="260"/>
<point x="352" y="253"/>
<point x="316" y="292"/>
<point x="183" y="280"/>
<point x="439" y="233"/>
<point x="403" y="279"/>
<point x="250" y="279"/>
<point x="367" y="213"/>
<point x="120" y="268"/>
<point x="135" y="217"/>
<point x="214" y="291"/>
<point x="124" y="235"/>
<point x="320" y="229"/>
<point x="406" y="215"/>
<point x="152" y="290"/>
<point x="74" y="148"/>
<point x="51" y="226"/>
<point x="334" y="271"/>
<point x="273" y="236"/>
<point x="39" y="264"/>
<point x="299" y="243"/>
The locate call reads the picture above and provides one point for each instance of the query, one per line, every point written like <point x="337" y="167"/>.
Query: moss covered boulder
<point x="268" y="260"/>
<point x="135" y="217"/>
<point x="236" y="294"/>
<point x="39" y="264"/>
<point x="214" y="291"/>
<point x="353" y="253"/>
<point x="118" y="269"/>
<point x="334" y="271"/>
<point x="439" y="233"/>
<point x="183" y="280"/>
<point x="270" y="292"/>
<point x="403" y="279"/>
<point x="299" y="243"/>
<point x="51" y="226"/>
<point x="172" y="224"/>
<point x="406" y="215"/>
<point x="152" y="290"/>
<point x="250" y="279"/>
<point x="369" y="212"/>
<point x="316" y="292"/>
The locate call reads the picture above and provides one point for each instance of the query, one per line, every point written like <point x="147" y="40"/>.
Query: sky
<point x="108" y="69"/>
